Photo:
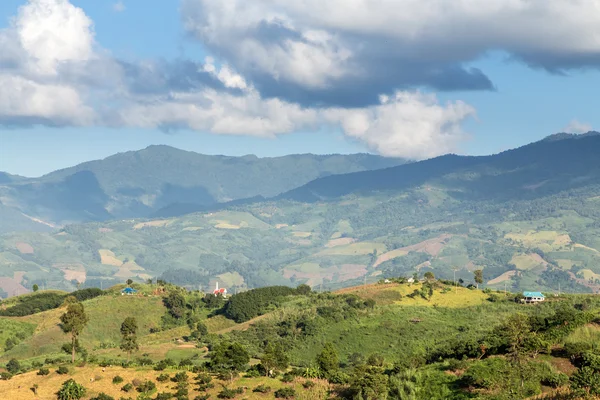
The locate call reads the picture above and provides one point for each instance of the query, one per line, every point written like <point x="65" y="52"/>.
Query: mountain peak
<point x="564" y="135"/>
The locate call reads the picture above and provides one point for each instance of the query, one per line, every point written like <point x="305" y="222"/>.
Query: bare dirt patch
<point x="340" y="242"/>
<point x="24" y="248"/>
<point x="431" y="246"/>
<point x="18" y="276"/>
<point x="389" y="256"/>
<point x="104" y="230"/>
<point x="70" y="275"/>
<point x="279" y="226"/>
<point x="107" y="257"/>
<point x="342" y="273"/>
<point x="12" y="287"/>
<point x="504" y="277"/>
<point x="154" y="224"/>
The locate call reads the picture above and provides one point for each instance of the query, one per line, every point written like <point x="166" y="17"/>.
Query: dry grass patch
<point x="107" y="257"/>
<point x="504" y="277"/>
<point x="154" y="224"/>
<point x="24" y="248"/>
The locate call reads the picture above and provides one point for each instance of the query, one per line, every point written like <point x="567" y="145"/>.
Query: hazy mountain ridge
<point x="138" y="183"/>
<point x="528" y="217"/>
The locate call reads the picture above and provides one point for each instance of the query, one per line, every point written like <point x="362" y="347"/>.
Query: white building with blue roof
<point x="533" y="297"/>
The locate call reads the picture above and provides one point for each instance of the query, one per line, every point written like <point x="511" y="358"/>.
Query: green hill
<point x="527" y="217"/>
<point x="425" y="340"/>
<point x="138" y="183"/>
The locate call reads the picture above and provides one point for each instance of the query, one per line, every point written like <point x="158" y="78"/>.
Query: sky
<point x="84" y="79"/>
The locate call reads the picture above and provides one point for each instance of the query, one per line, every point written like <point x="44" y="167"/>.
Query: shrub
<point x="146" y="387"/>
<point x="202" y="397"/>
<point x="128" y="387"/>
<point x="117" y="379"/>
<point x="62" y="370"/>
<point x="308" y="384"/>
<point x="227" y="393"/>
<point x="5" y="376"/>
<point x="262" y="389"/>
<point x="144" y="361"/>
<point x="203" y="378"/>
<point x="285" y="393"/>
<point x="43" y="372"/>
<point x="287" y="378"/>
<point x="180" y="377"/>
<point x="163" y="396"/>
<point x="556" y="380"/>
<point x="71" y="390"/>
<point x="13" y="366"/>
<point x="103" y="396"/>
<point x="163" y="377"/>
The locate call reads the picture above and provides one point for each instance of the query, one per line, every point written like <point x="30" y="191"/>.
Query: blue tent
<point x="128" y="290"/>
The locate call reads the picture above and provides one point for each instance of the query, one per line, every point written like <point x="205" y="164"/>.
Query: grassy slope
<point x="106" y="313"/>
<point x="18" y="388"/>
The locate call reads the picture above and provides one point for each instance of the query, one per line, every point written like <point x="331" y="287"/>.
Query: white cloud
<point x="45" y="36"/>
<point x="53" y="31"/>
<point x="411" y="125"/>
<point x="119" y="6"/>
<point x="52" y="72"/>
<point x="52" y="104"/>
<point x="329" y="44"/>
<point x="576" y="126"/>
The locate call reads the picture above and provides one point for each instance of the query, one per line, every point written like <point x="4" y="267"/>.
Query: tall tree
<point x="274" y="358"/>
<point x="129" y="342"/>
<point x="328" y="360"/>
<point x="229" y="358"/>
<point x="478" y="276"/>
<point x="73" y="321"/>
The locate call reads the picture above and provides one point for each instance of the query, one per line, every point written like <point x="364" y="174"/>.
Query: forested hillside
<point x="514" y="216"/>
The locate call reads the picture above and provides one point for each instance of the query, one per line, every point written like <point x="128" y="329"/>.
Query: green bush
<point x="103" y="396"/>
<point x="62" y="370"/>
<point x="71" y="390"/>
<point x="227" y="393"/>
<point x="43" y="372"/>
<point x="117" y="379"/>
<point x="308" y="384"/>
<point x="285" y="393"/>
<point x="556" y="380"/>
<point x="262" y="389"/>
<point x="5" y="376"/>
<point x="128" y="387"/>
<point x="163" y="378"/>
<point x="146" y="387"/>
<point x="13" y="366"/>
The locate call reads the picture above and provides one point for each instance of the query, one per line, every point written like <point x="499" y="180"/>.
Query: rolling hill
<point x="431" y="340"/>
<point x="528" y="217"/>
<point x="138" y="183"/>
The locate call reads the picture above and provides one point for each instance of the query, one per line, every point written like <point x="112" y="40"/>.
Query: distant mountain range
<point x="528" y="217"/>
<point x="139" y="183"/>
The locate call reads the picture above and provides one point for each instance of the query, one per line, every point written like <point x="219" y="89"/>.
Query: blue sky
<point x="527" y="104"/>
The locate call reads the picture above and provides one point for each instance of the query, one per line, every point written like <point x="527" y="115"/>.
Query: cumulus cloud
<point x="44" y="36"/>
<point x="348" y="52"/>
<point x="576" y="126"/>
<point x="54" y="73"/>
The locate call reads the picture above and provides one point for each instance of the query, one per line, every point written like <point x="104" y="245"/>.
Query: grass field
<point x="106" y="313"/>
<point x="19" y="387"/>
